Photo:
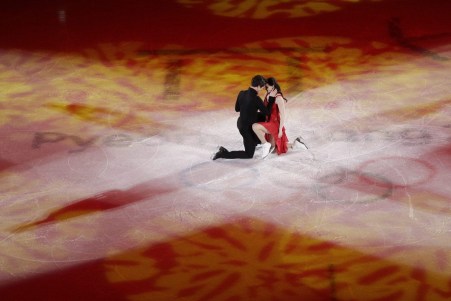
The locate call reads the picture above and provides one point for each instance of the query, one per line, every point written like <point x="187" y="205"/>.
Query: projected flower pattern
<point x="252" y="260"/>
<point x="267" y="8"/>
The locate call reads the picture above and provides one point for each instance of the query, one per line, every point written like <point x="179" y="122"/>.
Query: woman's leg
<point x="272" y="141"/>
<point x="260" y="131"/>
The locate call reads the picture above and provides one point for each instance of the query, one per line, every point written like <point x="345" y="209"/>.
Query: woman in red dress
<point x="274" y="127"/>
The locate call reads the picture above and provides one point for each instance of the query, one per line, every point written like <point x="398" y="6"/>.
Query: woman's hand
<point x="280" y="134"/>
<point x="273" y="92"/>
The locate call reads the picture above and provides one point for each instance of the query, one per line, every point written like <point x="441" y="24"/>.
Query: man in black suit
<point x="249" y="104"/>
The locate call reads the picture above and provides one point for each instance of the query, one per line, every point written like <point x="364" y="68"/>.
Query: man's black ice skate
<point x="219" y="153"/>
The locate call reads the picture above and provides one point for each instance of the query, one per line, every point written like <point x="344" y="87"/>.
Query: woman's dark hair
<point x="272" y="82"/>
<point x="271" y="100"/>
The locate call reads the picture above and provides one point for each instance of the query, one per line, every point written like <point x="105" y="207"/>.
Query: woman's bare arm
<point x="281" y="104"/>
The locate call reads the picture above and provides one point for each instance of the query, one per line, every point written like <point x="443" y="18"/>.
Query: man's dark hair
<point x="258" y="81"/>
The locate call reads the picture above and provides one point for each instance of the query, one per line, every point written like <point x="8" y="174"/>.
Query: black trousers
<point x="250" y="141"/>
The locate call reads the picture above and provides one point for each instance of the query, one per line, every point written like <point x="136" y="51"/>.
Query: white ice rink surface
<point x="375" y="179"/>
